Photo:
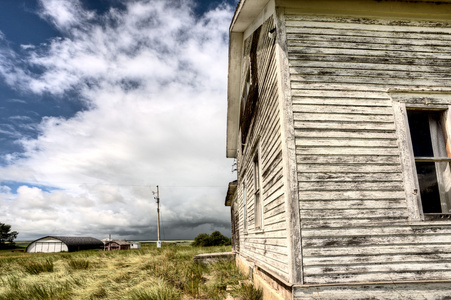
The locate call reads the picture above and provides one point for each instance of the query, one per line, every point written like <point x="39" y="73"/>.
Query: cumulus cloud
<point x="153" y="79"/>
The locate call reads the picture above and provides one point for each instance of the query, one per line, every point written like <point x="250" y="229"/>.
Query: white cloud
<point x="154" y="79"/>
<point x="26" y="47"/>
<point x="64" y="14"/>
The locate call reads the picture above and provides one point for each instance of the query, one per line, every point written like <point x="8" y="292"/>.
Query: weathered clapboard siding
<point x="354" y="217"/>
<point x="380" y="291"/>
<point x="268" y="247"/>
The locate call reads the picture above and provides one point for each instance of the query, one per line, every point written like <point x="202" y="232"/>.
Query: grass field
<point x="168" y="273"/>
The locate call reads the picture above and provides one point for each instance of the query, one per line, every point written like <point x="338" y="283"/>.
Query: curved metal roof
<point x="76" y="243"/>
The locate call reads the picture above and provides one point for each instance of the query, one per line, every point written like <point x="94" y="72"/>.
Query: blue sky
<point x="100" y="101"/>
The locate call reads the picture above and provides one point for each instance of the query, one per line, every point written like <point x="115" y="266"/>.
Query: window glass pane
<point x="420" y="133"/>
<point x="244" y="208"/>
<point x="430" y="196"/>
<point x="258" y="216"/>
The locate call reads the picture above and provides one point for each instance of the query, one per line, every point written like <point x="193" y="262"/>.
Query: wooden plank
<point x="305" y="18"/>
<point x="331" y="102"/>
<point x="299" y="108"/>
<point x="422" y="98"/>
<point x="340" y="125"/>
<point x="268" y="265"/>
<point x="357" y="241"/>
<point x="389" y="290"/>
<point x="441" y="56"/>
<point x="351" y="213"/>
<point x="365" y="72"/>
<point x="350" y="195"/>
<point x="278" y="185"/>
<point x="383" y="250"/>
<point x="373" y="231"/>
<point x="348" y="168"/>
<point x="275" y="199"/>
<point x="344" y="186"/>
<point x="275" y="225"/>
<point x="408" y="33"/>
<point x="343" y="117"/>
<point x="278" y="210"/>
<point x="355" y="204"/>
<point x="344" y="65"/>
<point x="289" y="155"/>
<point x="353" y="177"/>
<point x="345" y="223"/>
<point x="341" y="91"/>
<point x="273" y="249"/>
<point x="347" y="151"/>
<point x="386" y="276"/>
<point x="347" y="159"/>
<point x="269" y="262"/>
<point x="299" y="41"/>
<point x="298" y="81"/>
<point x="388" y="61"/>
<point x="377" y="259"/>
<point x="270" y="232"/>
<point x="382" y="268"/>
<point x="346" y="142"/>
<point x="272" y="181"/>
<point x="281" y="242"/>
<point x="366" y="23"/>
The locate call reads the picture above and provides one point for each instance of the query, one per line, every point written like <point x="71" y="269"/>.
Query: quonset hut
<point x="64" y="244"/>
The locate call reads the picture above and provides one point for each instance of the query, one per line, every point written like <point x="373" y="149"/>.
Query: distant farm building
<point x="135" y="245"/>
<point x="116" y="245"/>
<point x="63" y="244"/>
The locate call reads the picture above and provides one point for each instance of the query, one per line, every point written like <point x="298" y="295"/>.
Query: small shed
<point x="116" y="245"/>
<point x="50" y="244"/>
<point x="135" y="245"/>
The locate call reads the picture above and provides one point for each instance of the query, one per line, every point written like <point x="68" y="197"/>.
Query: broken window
<point x="432" y="160"/>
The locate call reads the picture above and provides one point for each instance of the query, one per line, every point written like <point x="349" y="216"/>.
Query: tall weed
<point x="78" y="264"/>
<point x="37" y="292"/>
<point x="194" y="278"/>
<point x="247" y="291"/>
<point x="38" y="266"/>
<point x="159" y="292"/>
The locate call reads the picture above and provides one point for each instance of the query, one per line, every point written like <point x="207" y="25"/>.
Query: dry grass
<point x="147" y="273"/>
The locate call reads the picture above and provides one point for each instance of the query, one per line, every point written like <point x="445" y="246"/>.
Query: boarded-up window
<point x="432" y="162"/>
<point x="249" y="101"/>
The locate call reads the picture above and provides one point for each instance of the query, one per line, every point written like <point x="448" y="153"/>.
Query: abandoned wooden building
<point x="339" y="119"/>
<point x="64" y="244"/>
<point x="116" y="245"/>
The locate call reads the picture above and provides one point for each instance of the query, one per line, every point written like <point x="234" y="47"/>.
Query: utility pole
<point x="158" y="218"/>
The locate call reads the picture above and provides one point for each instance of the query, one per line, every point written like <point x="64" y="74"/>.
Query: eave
<point x="246" y="13"/>
<point x="231" y="193"/>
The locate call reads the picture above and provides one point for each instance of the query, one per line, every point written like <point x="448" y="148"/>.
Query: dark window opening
<point x="429" y="140"/>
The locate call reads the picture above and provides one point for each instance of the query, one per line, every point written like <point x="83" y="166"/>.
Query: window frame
<point x="437" y="132"/>
<point x="258" y="195"/>
<point x="244" y="206"/>
<point x="402" y="103"/>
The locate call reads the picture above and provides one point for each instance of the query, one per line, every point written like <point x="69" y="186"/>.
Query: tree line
<point x="7" y="236"/>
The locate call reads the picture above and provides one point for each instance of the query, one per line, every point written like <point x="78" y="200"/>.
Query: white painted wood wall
<point x="268" y="248"/>
<point x="354" y="216"/>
